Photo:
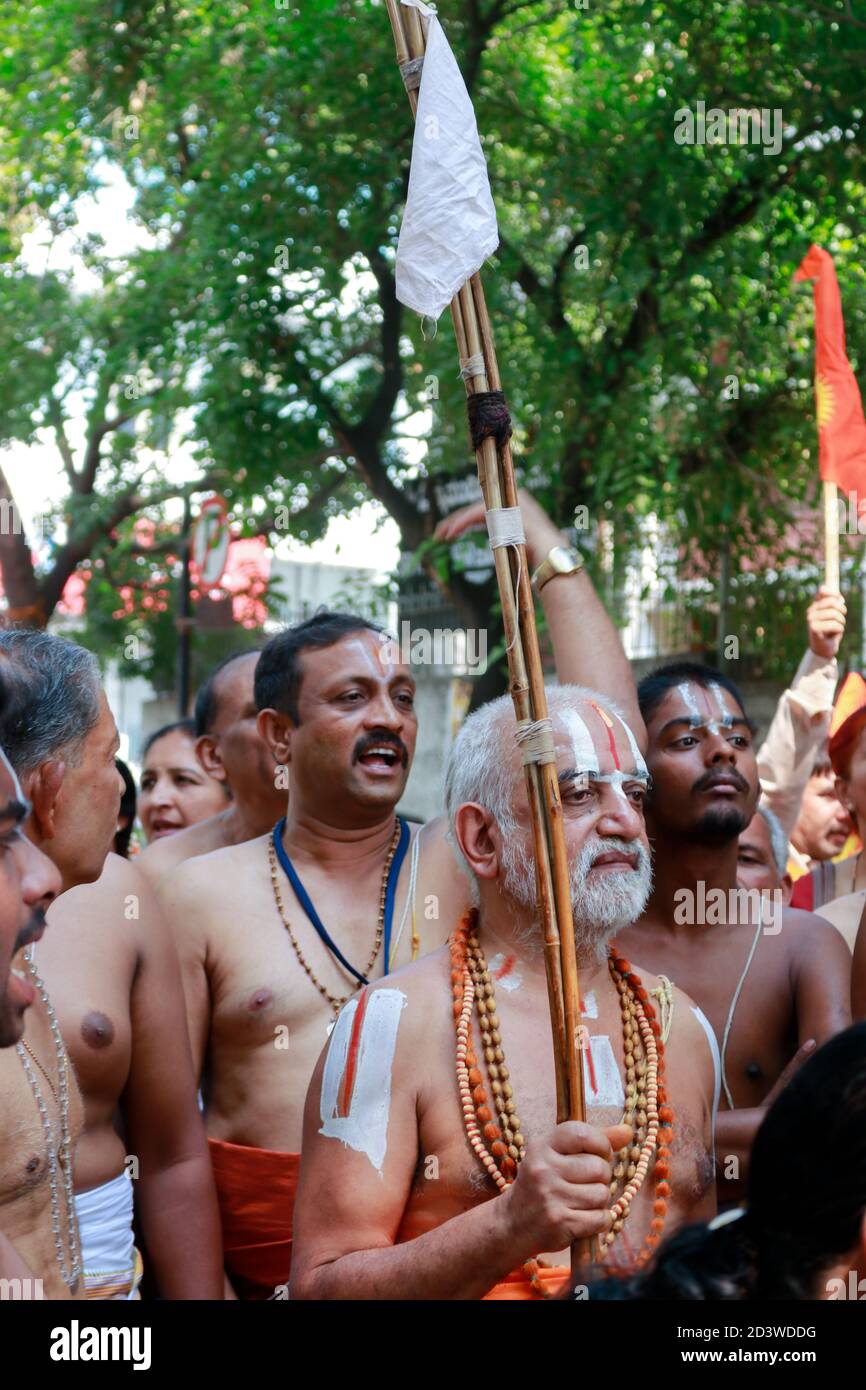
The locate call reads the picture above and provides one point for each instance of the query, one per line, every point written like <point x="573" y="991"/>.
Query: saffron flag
<point x="841" y="426"/>
<point x="449" y="225"/>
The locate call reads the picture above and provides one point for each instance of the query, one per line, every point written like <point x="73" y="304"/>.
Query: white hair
<point x="479" y="770"/>
<point x="778" y="839"/>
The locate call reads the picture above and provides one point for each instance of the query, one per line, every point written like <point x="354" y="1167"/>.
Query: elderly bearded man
<point x="398" y="1206"/>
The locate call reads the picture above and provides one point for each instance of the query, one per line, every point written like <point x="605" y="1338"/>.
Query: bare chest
<point x="449" y="1177"/>
<point x="32" y="1152"/>
<point x="742" y="984"/>
<point x="89" y="980"/>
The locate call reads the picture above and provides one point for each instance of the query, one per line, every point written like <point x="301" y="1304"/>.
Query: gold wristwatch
<point x="559" y="560"/>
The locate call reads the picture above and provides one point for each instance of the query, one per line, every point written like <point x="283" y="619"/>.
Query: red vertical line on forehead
<point x="706" y="698"/>
<point x="347" y="1086"/>
<point x="608" y="724"/>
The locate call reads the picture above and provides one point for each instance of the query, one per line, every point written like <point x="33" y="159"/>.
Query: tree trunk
<point x="26" y="606"/>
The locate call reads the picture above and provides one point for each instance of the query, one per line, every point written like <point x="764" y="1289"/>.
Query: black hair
<point x="822" y="765"/>
<point x="655" y="686"/>
<point x="127" y="808"/>
<point x="207" y="700"/>
<point x="180" y="726"/>
<point x="278" y="673"/>
<point x="806" y="1196"/>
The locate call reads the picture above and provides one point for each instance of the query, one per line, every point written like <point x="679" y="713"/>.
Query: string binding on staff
<point x="535" y="740"/>
<point x="411" y="73"/>
<point x="472" y="366"/>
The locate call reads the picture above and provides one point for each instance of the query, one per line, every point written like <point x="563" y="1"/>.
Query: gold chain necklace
<point x="335" y="1003"/>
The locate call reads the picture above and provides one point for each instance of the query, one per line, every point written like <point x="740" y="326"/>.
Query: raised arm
<point x="586" y="644"/>
<point x="802" y="717"/>
<point x="175" y="1188"/>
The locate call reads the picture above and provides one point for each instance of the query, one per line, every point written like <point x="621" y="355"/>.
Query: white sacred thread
<point x="730" y="1019"/>
<point x="535" y="740"/>
<point x="365" y="1128"/>
<point x="410" y="899"/>
<point x="505" y="527"/>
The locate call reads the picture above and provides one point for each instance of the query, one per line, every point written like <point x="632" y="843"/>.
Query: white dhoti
<point x="112" y="1265"/>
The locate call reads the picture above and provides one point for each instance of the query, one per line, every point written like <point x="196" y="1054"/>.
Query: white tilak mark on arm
<point x="608" y="1089"/>
<point x="365" y="1128"/>
<point x="585" y="756"/>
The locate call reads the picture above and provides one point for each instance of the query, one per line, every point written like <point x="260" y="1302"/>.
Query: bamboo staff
<point x="474" y="337"/>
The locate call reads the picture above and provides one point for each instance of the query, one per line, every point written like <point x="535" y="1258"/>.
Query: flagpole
<point x="831" y="537"/>
<point x="475" y="345"/>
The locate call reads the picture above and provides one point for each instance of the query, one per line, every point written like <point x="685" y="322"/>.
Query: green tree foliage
<point x="657" y="357"/>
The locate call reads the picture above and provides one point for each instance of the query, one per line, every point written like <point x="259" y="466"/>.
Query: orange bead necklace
<point x="498" y="1142"/>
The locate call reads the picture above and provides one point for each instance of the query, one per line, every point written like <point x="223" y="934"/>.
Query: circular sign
<point x="209" y="544"/>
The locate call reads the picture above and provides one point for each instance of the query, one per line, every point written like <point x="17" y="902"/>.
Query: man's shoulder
<point x="426" y="985"/>
<point x="164" y="854"/>
<point x="220" y="877"/>
<point x="805" y="933"/>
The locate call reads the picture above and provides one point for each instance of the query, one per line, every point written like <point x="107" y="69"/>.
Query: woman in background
<point x="175" y="789"/>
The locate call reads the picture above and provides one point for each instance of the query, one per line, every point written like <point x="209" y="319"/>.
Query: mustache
<point x="35" y="924"/>
<point x="384" y="738"/>
<point x="714" y="776"/>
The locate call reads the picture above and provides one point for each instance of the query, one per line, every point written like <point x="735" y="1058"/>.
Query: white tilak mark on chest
<point x="365" y="1127"/>
<point x="590" y="1005"/>
<point x="608" y="1089"/>
<point x="510" y="978"/>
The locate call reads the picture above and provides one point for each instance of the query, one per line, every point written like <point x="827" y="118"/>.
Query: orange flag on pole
<point x="841" y="426"/>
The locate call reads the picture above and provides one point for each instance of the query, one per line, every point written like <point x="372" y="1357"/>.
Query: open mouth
<point x="382" y="758"/>
<point x="164" y="827"/>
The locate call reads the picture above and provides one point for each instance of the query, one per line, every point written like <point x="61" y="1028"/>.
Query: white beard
<point x="600" y="908"/>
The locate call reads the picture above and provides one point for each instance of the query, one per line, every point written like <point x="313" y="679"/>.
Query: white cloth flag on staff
<point x="449" y="225"/>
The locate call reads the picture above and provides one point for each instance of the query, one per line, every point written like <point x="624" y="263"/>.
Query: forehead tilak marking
<point x="585" y="756"/>
<point x="721" y="720"/>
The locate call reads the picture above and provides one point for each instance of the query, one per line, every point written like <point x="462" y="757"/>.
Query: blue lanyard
<point x="304" y="899"/>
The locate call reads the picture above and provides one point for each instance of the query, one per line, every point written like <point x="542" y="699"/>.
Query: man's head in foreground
<point x="603" y="784"/>
<point x="700" y="756"/>
<point x="28" y="884"/>
<point x="61" y="739"/>
<point x="339" y="710"/>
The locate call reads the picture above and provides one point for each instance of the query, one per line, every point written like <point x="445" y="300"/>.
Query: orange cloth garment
<point x="256" y="1192"/>
<point x="516" y="1286"/>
